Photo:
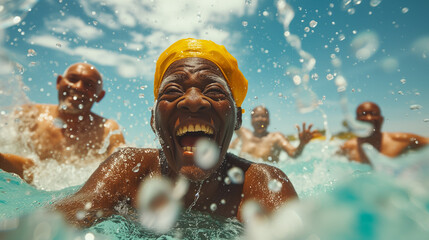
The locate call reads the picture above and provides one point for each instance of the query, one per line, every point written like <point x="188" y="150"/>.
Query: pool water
<point x="338" y="200"/>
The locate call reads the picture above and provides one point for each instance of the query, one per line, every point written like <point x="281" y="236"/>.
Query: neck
<point x="75" y="121"/>
<point x="374" y="139"/>
<point x="260" y="134"/>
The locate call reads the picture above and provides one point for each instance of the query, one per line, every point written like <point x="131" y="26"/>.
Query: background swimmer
<point x="67" y="132"/>
<point x="261" y="144"/>
<point x="390" y="144"/>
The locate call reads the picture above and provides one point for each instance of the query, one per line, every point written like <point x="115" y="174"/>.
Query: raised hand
<point x="306" y="134"/>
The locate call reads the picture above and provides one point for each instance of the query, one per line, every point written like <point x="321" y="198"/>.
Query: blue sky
<point x="358" y="50"/>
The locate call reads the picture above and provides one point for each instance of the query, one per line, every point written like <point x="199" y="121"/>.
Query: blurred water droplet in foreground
<point x="236" y="175"/>
<point x="374" y="3"/>
<point x="274" y="185"/>
<point x="206" y="153"/>
<point x="158" y="209"/>
<point x="364" y="45"/>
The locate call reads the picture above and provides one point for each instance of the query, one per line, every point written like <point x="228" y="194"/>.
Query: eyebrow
<point x="210" y="76"/>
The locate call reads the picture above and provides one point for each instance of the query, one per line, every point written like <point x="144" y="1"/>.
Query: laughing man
<point x="198" y="90"/>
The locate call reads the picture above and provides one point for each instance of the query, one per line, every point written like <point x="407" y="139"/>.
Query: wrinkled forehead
<point x="204" y="67"/>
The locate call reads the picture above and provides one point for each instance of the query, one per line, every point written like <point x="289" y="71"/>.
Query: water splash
<point x="306" y="99"/>
<point x="206" y="154"/>
<point x="157" y="207"/>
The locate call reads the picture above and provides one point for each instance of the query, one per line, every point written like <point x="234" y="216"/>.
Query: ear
<point x="59" y="78"/>
<point x="239" y="119"/>
<point x="100" y="96"/>
<point x="152" y="121"/>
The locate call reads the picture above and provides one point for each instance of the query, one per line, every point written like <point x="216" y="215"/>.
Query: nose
<point x="193" y="101"/>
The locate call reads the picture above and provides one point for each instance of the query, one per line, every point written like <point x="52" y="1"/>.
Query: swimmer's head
<point x="260" y="118"/>
<point x="79" y="88"/>
<point x="194" y="103"/>
<point x="188" y="48"/>
<point x="370" y="112"/>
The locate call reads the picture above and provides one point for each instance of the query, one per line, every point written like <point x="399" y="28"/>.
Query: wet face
<point x="370" y="112"/>
<point x="260" y="119"/>
<point x="79" y="88"/>
<point x="194" y="103"/>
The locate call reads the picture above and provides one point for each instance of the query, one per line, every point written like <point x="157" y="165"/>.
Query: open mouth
<point x="188" y="135"/>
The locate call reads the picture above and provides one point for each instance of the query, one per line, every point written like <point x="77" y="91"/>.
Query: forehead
<point x="368" y="107"/>
<point x="259" y="110"/>
<point x="83" y="70"/>
<point x="194" y="65"/>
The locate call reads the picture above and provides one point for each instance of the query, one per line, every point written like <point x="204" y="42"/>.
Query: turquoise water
<point x="338" y="200"/>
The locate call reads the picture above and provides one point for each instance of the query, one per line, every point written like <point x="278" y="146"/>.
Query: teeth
<point x="189" y="149"/>
<point x="194" y="128"/>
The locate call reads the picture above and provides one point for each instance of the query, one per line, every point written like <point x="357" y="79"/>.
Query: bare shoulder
<point x="411" y="138"/>
<point x="350" y="144"/>
<point x="111" y="124"/>
<point x="269" y="184"/>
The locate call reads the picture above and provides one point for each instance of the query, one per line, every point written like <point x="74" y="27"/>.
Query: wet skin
<point x="261" y="144"/>
<point x="67" y="132"/>
<point x="194" y="92"/>
<point x="388" y="144"/>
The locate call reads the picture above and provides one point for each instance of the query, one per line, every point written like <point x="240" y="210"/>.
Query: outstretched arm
<point x="113" y="182"/>
<point x="15" y="164"/>
<point x="304" y="137"/>
<point x="113" y="132"/>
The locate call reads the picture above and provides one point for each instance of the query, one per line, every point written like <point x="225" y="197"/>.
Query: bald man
<point x="67" y="132"/>
<point x="261" y="144"/>
<point x="388" y="144"/>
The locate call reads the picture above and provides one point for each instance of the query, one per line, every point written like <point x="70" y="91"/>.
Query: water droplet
<point x="206" y="153"/>
<point x="351" y="11"/>
<point x="31" y="53"/>
<point x="275" y="185"/>
<point x="374" y="3"/>
<point x="307" y="29"/>
<point x="341" y="37"/>
<point x="158" y="210"/>
<point x="80" y="106"/>
<point x="405" y="10"/>
<point x="244" y="23"/>
<point x="16" y="19"/>
<point x="416" y="107"/>
<point x="141" y="95"/>
<point x="236" y="175"/>
<point x="403" y="81"/>
<point x="296" y="80"/>
<point x="136" y="168"/>
<point x="426" y="120"/>
<point x="58" y="45"/>
<point x="315" y="76"/>
<point x="313" y="24"/>
<point x="80" y="118"/>
<point x="213" y="207"/>
<point x="265" y="13"/>
<point x="329" y="76"/>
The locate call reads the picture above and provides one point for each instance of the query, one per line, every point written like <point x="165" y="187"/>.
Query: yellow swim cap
<point x="209" y="50"/>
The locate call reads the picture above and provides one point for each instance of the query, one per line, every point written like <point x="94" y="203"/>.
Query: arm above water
<point x="113" y="182"/>
<point x="15" y="164"/>
<point x="414" y="141"/>
<point x="304" y="137"/>
<point x="113" y="132"/>
<point x="268" y="186"/>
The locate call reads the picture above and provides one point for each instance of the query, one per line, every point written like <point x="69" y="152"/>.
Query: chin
<point x="194" y="173"/>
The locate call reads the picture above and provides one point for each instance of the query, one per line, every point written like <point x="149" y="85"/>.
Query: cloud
<point x="127" y="66"/>
<point x="145" y="28"/>
<point x="74" y="25"/>
<point x="168" y="16"/>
